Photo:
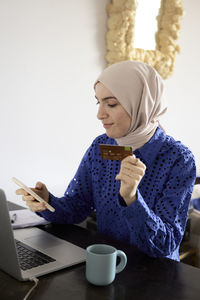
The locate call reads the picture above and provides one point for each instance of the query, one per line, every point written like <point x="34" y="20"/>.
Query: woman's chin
<point x="112" y="135"/>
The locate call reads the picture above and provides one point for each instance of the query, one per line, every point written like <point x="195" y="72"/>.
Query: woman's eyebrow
<point x="107" y="98"/>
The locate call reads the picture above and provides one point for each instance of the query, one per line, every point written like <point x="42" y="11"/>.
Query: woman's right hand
<point x="33" y="204"/>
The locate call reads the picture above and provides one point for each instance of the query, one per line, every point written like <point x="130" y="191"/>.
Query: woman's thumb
<point x="39" y="185"/>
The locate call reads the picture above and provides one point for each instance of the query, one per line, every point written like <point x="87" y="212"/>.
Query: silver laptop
<point x="48" y="252"/>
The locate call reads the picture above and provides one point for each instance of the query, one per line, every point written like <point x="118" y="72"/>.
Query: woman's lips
<point x="106" y="126"/>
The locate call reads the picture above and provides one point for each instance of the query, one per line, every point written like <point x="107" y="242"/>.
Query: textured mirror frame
<point x="120" y="35"/>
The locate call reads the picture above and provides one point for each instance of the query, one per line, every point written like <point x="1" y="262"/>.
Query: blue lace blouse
<point x="155" y="222"/>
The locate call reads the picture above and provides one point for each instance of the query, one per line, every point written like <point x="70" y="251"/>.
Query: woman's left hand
<point x="131" y="172"/>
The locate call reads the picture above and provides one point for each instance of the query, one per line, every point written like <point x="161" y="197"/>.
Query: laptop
<point x="48" y="253"/>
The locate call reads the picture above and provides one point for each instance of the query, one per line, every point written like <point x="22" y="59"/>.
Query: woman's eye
<point x="107" y="104"/>
<point x="112" y="105"/>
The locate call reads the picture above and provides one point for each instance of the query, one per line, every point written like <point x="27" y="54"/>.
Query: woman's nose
<point x="101" y="114"/>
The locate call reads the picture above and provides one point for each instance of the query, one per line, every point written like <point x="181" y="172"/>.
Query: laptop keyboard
<point x="30" y="258"/>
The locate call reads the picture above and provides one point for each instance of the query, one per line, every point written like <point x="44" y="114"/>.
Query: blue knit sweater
<point x="155" y="222"/>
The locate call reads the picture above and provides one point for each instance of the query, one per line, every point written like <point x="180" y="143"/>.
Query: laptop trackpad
<point x="42" y="241"/>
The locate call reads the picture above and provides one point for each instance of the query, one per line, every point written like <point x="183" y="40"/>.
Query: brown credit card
<point x="115" y="152"/>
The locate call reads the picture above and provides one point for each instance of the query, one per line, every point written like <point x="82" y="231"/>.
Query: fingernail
<point x="136" y="161"/>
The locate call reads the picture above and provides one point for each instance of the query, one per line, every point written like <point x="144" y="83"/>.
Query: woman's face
<point x="113" y="116"/>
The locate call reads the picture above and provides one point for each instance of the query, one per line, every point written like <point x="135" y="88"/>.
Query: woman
<point x="142" y="200"/>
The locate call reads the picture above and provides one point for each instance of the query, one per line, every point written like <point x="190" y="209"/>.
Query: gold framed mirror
<point x="120" y="35"/>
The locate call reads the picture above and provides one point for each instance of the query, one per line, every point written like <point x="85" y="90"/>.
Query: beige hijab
<point x="138" y="88"/>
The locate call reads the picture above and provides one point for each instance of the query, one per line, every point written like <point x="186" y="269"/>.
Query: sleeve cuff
<point x="122" y="202"/>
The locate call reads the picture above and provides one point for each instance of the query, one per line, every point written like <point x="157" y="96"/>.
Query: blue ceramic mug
<point x="101" y="263"/>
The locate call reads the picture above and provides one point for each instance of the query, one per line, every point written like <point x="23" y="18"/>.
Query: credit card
<point x="115" y="152"/>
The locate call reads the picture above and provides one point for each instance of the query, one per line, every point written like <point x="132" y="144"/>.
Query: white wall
<point x="182" y="90"/>
<point x="51" y="51"/>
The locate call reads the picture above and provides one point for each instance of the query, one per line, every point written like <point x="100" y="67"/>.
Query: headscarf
<point x="138" y="88"/>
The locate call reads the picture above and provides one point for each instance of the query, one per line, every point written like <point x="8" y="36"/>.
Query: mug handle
<point x="123" y="261"/>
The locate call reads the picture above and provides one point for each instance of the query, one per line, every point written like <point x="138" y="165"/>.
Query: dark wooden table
<point x="143" y="278"/>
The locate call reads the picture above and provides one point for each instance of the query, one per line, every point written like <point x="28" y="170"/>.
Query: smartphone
<point x="32" y="193"/>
